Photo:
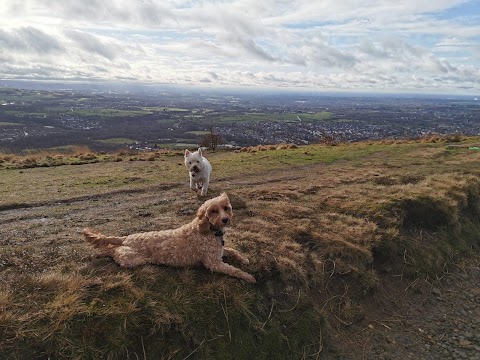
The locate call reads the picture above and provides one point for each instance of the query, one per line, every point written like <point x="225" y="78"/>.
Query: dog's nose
<point x="225" y="220"/>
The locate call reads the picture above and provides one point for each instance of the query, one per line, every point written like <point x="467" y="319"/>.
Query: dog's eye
<point x="190" y="163"/>
<point x="226" y="208"/>
<point x="198" y="162"/>
<point x="214" y="211"/>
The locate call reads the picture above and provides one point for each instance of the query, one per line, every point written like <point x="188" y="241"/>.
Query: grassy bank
<point x="321" y="225"/>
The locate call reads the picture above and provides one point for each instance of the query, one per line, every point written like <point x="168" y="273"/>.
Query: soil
<point x="418" y="320"/>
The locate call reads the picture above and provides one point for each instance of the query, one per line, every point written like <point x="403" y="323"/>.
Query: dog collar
<point x="219" y="235"/>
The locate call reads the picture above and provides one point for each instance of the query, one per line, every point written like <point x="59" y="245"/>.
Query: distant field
<point x="25" y="114"/>
<point x="177" y="145"/>
<point x="318" y="116"/>
<point x="110" y="112"/>
<point x="118" y="141"/>
<point x="193" y="116"/>
<point x="9" y="124"/>
<point x="166" y="109"/>
<point x="198" y="133"/>
<point x="81" y="112"/>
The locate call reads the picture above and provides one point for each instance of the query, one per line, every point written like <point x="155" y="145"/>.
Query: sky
<point x="414" y="46"/>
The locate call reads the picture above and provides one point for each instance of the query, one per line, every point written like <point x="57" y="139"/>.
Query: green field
<point x="166" y="109"/>
<point x="198" y="133"/>
<point x="118" y="141"/>
<point x="2" y="123"/>
<point x="110" y="112"/>
<point x="25" y="114"/>
<point x="177" y="145"/>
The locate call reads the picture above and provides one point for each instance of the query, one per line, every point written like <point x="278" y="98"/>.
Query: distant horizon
<point x="143" y="87"/>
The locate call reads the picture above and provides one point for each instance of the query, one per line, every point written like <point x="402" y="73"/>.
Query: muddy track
<point x="15" y="206"/>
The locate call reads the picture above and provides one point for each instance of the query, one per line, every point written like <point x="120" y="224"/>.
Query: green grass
<point x="165" y="109"/>
<point x="23" y="114"/>
<point x="117" y="141"/>
<point x="178" y="145"/>
<point x="3" y="123"/>
<point x="245" y="162"/>
<point x="198" y="133"/>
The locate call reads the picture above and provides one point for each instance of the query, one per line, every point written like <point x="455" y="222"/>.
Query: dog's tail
<point x="98" y="240"/>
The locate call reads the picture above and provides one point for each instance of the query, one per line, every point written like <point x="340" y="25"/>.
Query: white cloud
<point x="28" y="40"/>
<point x="329" y="44"/>
<point x="93" y="44"/>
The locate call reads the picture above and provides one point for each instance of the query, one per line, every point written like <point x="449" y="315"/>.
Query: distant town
<point x="108" y="119"/>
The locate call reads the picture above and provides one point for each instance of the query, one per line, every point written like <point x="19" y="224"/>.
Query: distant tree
<point x="211" y="140"/>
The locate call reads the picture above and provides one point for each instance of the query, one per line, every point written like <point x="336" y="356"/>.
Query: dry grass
<point x="322" y="226"/>
<point x="73" y="155"/>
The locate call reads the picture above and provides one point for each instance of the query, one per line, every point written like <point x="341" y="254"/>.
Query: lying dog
<point x="199" y="169"/>
<point x="199" y="242"/>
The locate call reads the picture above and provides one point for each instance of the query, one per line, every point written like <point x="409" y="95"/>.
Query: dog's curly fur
<point x="199" y="242"/>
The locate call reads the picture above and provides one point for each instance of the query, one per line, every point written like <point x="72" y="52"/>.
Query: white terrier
<point x="199" y="169"/>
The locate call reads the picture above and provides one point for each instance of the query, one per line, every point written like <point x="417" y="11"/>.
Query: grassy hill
<point x="323" y="227"/>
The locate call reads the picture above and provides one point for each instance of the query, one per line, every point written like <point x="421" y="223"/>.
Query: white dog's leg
<point x="205" y="188"/>
<point x="193" y="185"/>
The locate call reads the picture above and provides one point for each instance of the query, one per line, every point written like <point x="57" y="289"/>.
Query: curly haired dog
<point x="198" y="242"/>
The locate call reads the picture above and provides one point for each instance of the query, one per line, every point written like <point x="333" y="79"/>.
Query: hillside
<point x="329" y="230"/>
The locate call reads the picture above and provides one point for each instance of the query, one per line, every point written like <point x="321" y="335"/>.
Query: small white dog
<point x="199" y="169"/>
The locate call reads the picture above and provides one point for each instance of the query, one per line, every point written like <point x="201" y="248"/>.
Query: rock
<point x="464" y="343"/>
<point x="436" y="291"/>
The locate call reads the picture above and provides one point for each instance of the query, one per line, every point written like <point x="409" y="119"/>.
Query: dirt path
<point x="427" y="321"/>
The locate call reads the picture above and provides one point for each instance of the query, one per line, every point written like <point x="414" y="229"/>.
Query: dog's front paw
<point x="245" y="261"/>
<point x="249" y="278"/>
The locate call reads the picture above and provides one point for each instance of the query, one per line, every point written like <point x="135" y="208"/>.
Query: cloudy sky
<point x="422" y="46"/>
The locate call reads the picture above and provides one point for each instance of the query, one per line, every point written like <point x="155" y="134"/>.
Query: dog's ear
<point x="203" y="223"/>
<point x="187" y="152"/>
<point x="224" y="195"/>
<point x="200" y="151"/>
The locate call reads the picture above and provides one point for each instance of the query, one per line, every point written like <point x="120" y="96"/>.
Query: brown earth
<point x="417" y="320"/>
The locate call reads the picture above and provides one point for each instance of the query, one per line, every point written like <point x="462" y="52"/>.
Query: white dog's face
<point x="194" y="161"/>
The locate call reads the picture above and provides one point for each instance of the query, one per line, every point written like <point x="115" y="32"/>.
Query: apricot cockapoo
<point x="195" y="243"/>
